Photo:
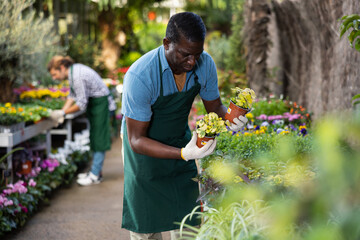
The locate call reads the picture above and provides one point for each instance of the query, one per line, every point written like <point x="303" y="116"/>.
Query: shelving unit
<point x="9" y="140"/>
<point x="69" y="119"/>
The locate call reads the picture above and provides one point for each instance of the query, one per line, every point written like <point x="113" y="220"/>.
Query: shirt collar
<point x="164" y="62"/>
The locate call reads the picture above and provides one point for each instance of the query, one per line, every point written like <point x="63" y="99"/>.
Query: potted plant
<point x="208" y="127"/>
<point x="240" y="104"/>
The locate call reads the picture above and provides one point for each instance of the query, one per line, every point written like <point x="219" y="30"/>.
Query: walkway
<point x="83" y="213"/>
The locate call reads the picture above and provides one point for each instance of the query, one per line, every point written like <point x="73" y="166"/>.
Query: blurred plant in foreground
<point x="325" y="205"/>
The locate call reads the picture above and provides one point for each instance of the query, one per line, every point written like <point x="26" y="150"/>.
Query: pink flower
<point x="23" y="208"/>
<point x="262" y="117"/>
<point x="275" y="117"/>
<point x="32" y="183"/>
<point x="8" y="203"/>
<point x="50" y="164"/>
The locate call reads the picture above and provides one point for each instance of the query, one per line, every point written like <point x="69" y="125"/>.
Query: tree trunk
<point x="6" y="91"/>
<point x="317" y="69"/>
<point x="257" y="15"/>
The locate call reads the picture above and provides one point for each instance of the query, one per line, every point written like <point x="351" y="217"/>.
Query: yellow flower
<point x="247" y="134"/>
<point x="249" y="115"/>
<point x="302" y="127"/>
<point x="7" y="105"/>
<point x="238" y="179"/>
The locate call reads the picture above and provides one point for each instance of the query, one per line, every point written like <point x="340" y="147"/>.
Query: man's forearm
<point x="67" y="105"/>
<point x="153" y="148"/>
<point x="71" y="109"/>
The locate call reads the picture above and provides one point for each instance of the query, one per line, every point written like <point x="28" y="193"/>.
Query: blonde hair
<point x="58" y="61"/>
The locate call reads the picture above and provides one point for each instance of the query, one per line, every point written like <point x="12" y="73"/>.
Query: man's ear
<point x="62" y="68"/>
<point x="166" y="43"/>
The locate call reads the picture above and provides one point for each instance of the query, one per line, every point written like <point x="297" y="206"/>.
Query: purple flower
<point x="264" y="124"/>
<point x="303" y="131"/>
<point x="50" y="164"/>
<point x="279" y="130"/>
<point x="278" y="122"/>
<point x="292" y="127"/>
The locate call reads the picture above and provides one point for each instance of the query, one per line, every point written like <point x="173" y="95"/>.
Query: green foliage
<point x="236" y="58"/>
<point x="308" y="186"/>
<point x="51" y="103"/>
<point x="356" y="99"/>
<point x="150" y="35"/>
<point x="270" y="107"/>
<point x="26" y="42"/>
<point x="236" y="221"/>
<point x="129" y="59"/>
<point x="85" y="51"/>
<point x="219" y="49"/>
<point x="9" y="119"/>
<point x="351" y="21"/>
<point x="216" y="14"/>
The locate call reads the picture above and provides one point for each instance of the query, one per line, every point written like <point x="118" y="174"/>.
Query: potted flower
<point x="208" y="127"/>
<point x="240" y="104"/>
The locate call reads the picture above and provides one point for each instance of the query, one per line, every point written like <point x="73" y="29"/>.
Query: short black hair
<point x="187" y="24"/>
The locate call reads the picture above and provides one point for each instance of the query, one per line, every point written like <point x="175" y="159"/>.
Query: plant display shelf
<point x="9" y="140"/>
<point x="69" y="119"/>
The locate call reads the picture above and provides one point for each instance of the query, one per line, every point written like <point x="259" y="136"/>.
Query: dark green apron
<point x="97" y="111"/>
<point x="160" y="192"/>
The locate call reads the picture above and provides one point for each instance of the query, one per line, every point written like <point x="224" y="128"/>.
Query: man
<point x="87" y="91"/>
<point x="159" y="90"/>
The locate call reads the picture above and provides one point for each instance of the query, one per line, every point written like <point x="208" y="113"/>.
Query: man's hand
<point x="238" y="123"/>
<point x="192" y="151"/>
<point x="57" y="116"/>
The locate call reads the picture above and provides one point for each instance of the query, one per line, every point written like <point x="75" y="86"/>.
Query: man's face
<point x="59" y="74"/>
<point x="182" y="56"/>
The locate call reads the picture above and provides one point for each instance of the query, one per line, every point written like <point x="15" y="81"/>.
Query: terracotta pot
<point x="235" y="111"/>
<point x="202" y="141"/>
<point x="26" y="167"/>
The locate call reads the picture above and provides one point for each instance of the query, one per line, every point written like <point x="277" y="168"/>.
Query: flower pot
<point x="200" y="142"/>
<point x="235" y="111"/>
<point x="26" y="167"/>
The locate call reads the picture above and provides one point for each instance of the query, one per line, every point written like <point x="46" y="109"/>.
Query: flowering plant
<point x="210" y="125"/>
<point x="243" y="97"/>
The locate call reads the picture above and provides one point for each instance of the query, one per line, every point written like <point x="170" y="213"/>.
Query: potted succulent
<point x="208" y="127"/>
<point x="240" y="104"/>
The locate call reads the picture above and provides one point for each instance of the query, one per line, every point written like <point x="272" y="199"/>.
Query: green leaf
<point x="9" y="153"/>
<point x="357" y="45"/>
<point x="356" y="25"/>
<point x="356" y="97"/>
<point x="351" y="37"/>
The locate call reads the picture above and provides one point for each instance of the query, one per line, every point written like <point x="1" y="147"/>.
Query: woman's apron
<point x="97" y="112"/>
<point x="160" y="192"/>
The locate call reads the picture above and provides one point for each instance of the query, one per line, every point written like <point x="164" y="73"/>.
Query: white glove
<point x="238" y="123"/>
<point x="57" y="116"/>
<point x="192" y="151"/>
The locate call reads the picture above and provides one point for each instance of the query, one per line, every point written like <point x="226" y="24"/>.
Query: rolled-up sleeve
<point x="136" y="99"/>
<point x="80" y="97"/>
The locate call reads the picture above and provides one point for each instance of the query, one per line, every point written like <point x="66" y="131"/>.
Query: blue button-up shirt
<point x="142" y="83"/>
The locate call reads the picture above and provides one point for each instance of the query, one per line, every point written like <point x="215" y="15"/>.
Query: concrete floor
<point x="83" y="213"/>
